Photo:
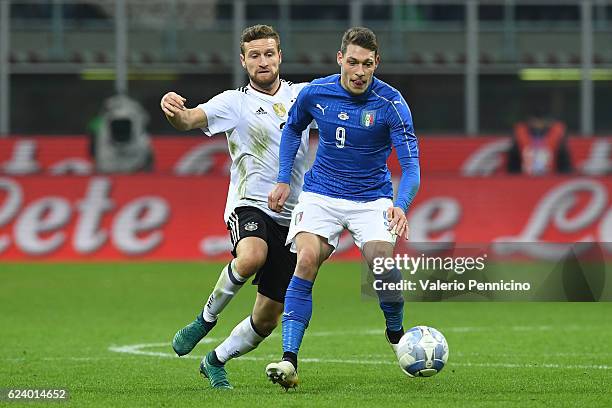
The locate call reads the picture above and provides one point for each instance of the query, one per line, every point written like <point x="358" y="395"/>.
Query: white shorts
<point x="328" y="217"/>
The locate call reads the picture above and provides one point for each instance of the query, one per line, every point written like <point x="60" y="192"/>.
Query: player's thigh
<point x="273" y="278"/>
<point x="249" y="235"/>
<point x="368" y="222"/>
<point x="315" y="214"/>
<point x="266" y="313"/>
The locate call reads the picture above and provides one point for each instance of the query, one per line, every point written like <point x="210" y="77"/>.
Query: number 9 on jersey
<point x="340" y="137"/>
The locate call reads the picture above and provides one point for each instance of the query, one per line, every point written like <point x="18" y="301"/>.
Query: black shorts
<point x="273" y="277"/>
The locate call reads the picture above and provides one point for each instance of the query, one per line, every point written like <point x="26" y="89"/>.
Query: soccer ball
<point x="422" y="352"/>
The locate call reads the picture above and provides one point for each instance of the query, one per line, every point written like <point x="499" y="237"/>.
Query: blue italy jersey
<point x="355" y="138"/>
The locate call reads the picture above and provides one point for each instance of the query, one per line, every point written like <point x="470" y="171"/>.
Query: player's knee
<point x="377" y="250"/>
<point x="248" y="265"/>
<point x="250" y="259"/>
<point x="307" y="263"/>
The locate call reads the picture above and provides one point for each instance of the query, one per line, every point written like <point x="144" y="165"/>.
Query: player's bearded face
<point x="262" y="59"/>
<point x="357" y="66"/>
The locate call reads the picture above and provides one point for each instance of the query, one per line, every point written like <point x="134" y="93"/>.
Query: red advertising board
<point x="166" y="217"/>
<point x="208" y="156"/>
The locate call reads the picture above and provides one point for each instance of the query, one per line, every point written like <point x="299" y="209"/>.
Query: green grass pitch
<point x="103" y="331"/>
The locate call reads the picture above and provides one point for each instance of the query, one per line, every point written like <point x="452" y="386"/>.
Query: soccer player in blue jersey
<point x="349" y="185"/>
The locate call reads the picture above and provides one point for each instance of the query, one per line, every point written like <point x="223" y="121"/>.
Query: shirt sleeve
<point x="222" y="111"/>
<point x="406" y="146"/>
<point x="299" y="119"/>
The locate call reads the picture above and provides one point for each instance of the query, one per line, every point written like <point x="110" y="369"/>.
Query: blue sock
<point x="391" y="301"/>
<point x="298" y="310"/>
<point x="394" y="315"/>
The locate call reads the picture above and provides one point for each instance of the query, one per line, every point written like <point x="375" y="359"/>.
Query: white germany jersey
<point x="252" y="122"/>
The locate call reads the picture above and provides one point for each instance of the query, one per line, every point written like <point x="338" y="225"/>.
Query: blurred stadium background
<point x="466" y="66"/>
<point x="470" y="70"/>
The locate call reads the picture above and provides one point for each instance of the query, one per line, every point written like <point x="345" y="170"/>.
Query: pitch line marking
<point x="139" y="349"/>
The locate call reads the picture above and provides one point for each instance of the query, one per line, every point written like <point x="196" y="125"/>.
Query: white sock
<point x="243" y="339"/>
<point x="227" y="286"/>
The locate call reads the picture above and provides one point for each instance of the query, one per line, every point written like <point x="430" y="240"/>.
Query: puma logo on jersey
<point x="261" y="111"/>
<point x="322" y="108"/>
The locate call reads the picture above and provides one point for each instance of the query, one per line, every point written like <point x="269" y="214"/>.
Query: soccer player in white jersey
<point x="252" y="118"/>
<point x="349" y="185"/>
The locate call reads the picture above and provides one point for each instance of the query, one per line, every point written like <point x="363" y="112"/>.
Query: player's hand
<point x="278" y="196"/>
<point x="398" y="225"/>
<point x="172" y="103"/>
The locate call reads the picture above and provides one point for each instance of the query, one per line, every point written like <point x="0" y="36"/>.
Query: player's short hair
<point x="361" y="36"/>
<point x="258" y="32"/>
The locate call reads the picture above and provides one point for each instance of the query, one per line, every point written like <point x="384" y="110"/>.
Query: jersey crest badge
<point x="368" y="118"/>
<point x="298" y="217"/>
<point x="251" y="226"/>
<point x="280" y="110"/>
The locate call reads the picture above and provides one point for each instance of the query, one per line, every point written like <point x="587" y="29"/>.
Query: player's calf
<point x="244" y="338"/>
<point x="225" y="289"/>
<point x="392" y="305"/>
<point x="229" y="283"/>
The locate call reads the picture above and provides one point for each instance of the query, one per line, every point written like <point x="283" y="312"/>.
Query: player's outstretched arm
<point x="181" y="118"/>
<point x="406" y="147"/>
<point x="278" y="196"/>
<point x="408" y="187"/>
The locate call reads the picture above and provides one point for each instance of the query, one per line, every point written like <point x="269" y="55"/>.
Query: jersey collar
<point x="280" y="85"/>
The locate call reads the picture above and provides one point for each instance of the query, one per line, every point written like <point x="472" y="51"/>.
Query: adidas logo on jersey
<point x="261" y="111"/>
